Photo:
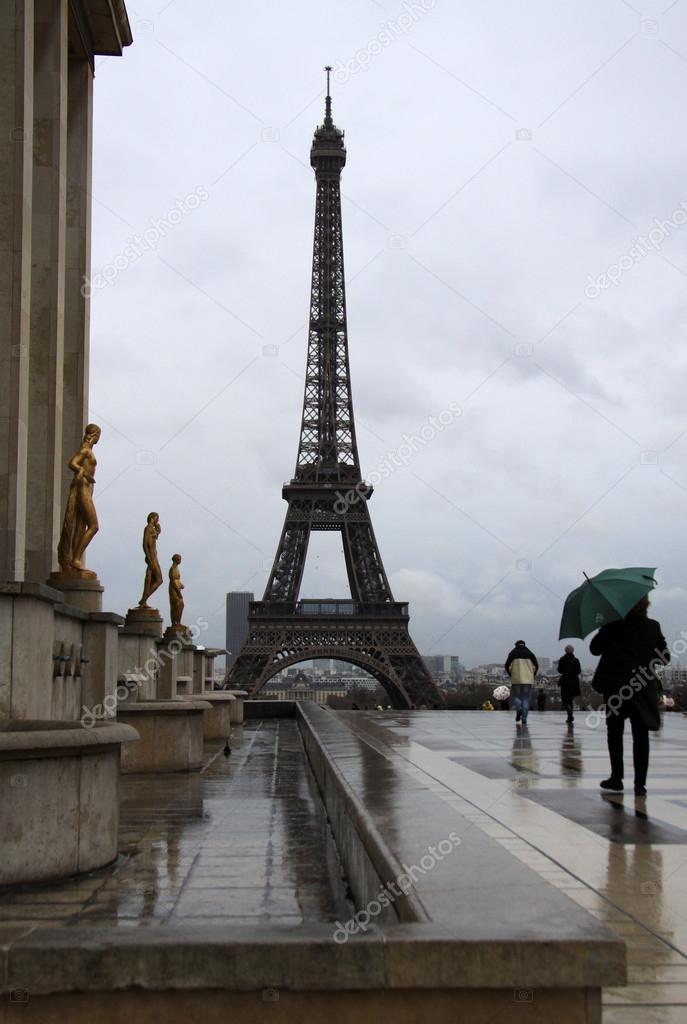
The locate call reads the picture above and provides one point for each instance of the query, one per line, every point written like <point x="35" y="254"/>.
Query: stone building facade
<point x="47" y="57"/>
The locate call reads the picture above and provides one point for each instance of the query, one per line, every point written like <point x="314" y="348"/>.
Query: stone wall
<point x="55" y="660"/>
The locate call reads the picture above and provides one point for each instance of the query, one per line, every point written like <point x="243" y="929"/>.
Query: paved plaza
<point x="246" y="841"/>
<point x="623" y="858"/>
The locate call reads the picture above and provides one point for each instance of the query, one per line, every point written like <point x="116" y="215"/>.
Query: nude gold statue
<point x="80" y="520"/>
<point x="176" y="601"/>
<point x="153" y="577"/>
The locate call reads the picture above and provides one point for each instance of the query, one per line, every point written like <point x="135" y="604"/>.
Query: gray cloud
<point x="469" y="243"/>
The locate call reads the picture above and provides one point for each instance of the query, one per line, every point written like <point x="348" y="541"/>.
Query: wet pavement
<point x="243" y="842"/>
<point x="536" y="791"/>
<point x="246" y="840"/>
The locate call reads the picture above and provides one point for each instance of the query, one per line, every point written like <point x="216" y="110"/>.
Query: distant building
<point x="297" y="684"/>
<point x="444" y="663"/>
<point x="300" y="686"/>
<point x="237" y="622"/>
<point x="343" y="667"/>
<point x="492" y="674"/>
<point x="676" y="675"/>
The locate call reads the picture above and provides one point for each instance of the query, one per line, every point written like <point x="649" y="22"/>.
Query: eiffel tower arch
<point x="327" y="492"/>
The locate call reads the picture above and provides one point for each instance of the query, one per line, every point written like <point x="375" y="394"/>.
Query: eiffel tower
<point x="328" y="492"/>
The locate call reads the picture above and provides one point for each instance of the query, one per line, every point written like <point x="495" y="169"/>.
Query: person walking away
<point x="522" y="667"/>
<point x="630" y="650"/>
<point x="569" y="670"/>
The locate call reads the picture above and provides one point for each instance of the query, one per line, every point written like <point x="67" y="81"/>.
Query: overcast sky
<point x="514" y="245"/>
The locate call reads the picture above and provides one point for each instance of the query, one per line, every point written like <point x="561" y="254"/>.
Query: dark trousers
<point x="615" y="726"/>
<point x="568" y="706"/>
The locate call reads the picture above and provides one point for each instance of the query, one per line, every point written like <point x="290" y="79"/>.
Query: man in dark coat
<point x="569" y="670"/>
<point x="630" y="650"/>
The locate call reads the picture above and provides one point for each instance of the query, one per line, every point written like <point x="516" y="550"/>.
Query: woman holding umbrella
<point x="631" y="646"/>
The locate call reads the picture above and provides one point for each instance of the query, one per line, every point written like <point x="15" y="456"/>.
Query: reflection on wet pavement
<point x="624" y="859"/>
<point x="571" y="753"/>
<point x="244" y="841"/>
<point x="619" y="819"/>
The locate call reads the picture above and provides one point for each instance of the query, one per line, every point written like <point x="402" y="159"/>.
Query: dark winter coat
<point x="630" y="648"/>
<point x="569" y="670"/>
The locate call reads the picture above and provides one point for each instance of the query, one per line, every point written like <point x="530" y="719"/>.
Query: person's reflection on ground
<point x="524" y="756"/>
<point x="571" y="754"/>
<point x="634" y="881"/>
<point x="628" y="818"/>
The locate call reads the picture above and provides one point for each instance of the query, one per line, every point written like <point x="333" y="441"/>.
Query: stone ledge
<point x="41" y="591"/>
<point x="479" y="893"/>
<point x="181" y="706"/>
<point x="39" y="738"/>
<point x="71" y="611"/>
<point x="211" y="696"/>
<point x="269" y="709"/>
<point x="305" y="958"/>
<point x="383" y="860"/>
<point x="60" y="806"/>
<point x="113" y="617"/>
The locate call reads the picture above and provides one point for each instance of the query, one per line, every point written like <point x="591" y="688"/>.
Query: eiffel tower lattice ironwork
<point x="328" y="492"/>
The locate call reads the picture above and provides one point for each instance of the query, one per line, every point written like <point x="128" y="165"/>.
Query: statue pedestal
<point x="146" y="621"/>
<point x="175" y="656"/>
<point x="159" y="670"/>
<point x="202" y="672"/>
<point x="177" y="633"/>
<point x="218" y="714"/>
<point x="83" y="593"/>
<point x="138" y="660"/>
<point x="100" y="638"/>
<point x="171" y="735"/>
<point x="31" y="651"/>
<point x="236" y="712"/>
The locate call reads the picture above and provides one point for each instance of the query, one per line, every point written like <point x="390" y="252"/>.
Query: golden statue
<point x="176" y="601"/>
<point x="80" y="520"/>
<point x="153" y="578"/>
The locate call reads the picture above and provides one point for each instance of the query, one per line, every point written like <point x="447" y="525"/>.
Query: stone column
<point x="78" y="263"/>
<point x="16" y="177"/>
<point x="27" y="631"/>
<point x="199" y="670"/>
<point x="138" y="661"/>
<point x="101" y="637"/>
<point x="44" y="490"/>
<point x="175" y="676"/>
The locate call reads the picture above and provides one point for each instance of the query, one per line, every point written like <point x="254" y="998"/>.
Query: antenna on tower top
<point x="328" y="100"/>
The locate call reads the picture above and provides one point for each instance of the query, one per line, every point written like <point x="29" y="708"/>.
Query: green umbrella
<point x="606" y="597"/>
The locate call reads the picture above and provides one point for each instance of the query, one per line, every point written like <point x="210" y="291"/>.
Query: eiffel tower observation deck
<point x="328" y="492"/>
